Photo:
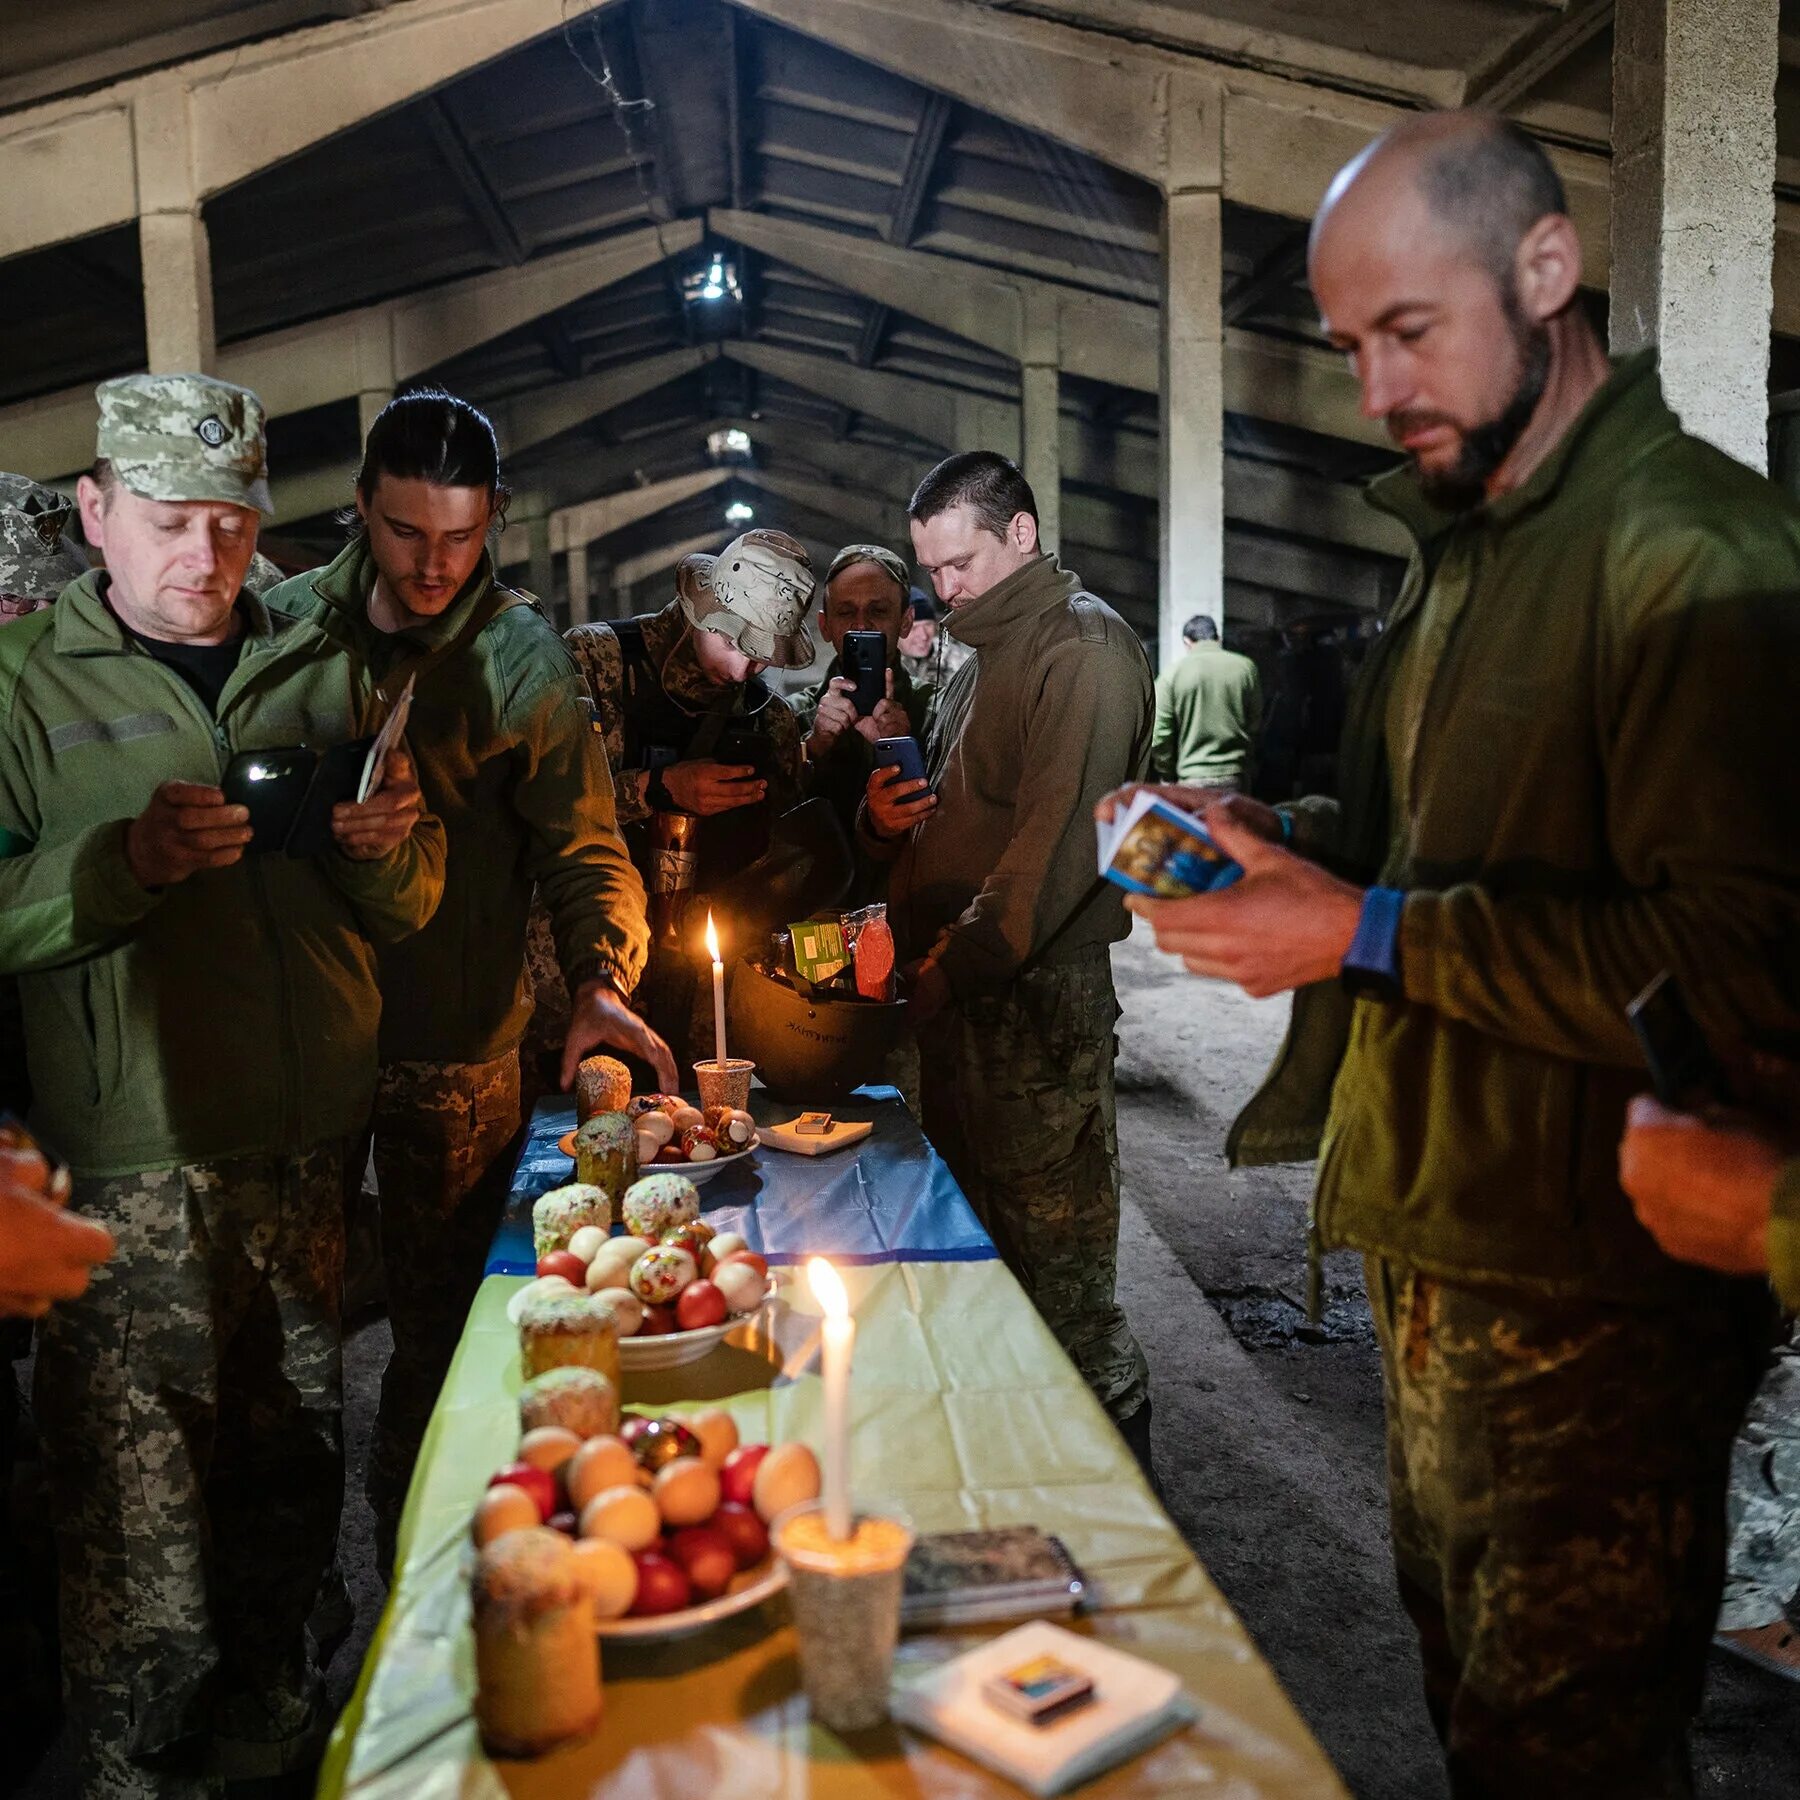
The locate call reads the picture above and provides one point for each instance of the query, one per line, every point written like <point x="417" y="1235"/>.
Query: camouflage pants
<point x="1762" y="1577"/>
<point x="1017" y="1097"/>
<point x="190" y="1405"/>
<point x="1556" y="1479"/>
<point x="444" y="1136"/>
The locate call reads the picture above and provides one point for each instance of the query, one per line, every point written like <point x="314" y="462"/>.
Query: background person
<point x="993" y="894"/>
<point x="928" y="654"/>
<point x="1208" y="712"/>
<point x="510" y="762"/>
<point x="201" y="1031"/>
<point x="1611" y="601"/>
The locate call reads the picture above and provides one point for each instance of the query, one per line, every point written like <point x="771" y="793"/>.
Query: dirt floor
<point x="1268" y="1434"/>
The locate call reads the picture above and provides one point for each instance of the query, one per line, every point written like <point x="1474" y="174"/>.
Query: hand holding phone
<point x="898" y="797"/>
<point x="1683" y="1070"/>
<point x="863" y="656"/>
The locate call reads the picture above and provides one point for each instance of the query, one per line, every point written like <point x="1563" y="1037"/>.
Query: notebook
<point x="971" y="1577"/>
<point x="1135" y="1704"/>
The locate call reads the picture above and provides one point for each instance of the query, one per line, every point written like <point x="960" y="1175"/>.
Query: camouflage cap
<point x="36" y="560"/>
<point x="263" y="575"/>
<point x="185" y="437"/>
<point x="854" y="555"/>
<point x="755" y="592"/>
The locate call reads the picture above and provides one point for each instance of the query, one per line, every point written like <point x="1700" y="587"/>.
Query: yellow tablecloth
<point x="966" y="1413"/>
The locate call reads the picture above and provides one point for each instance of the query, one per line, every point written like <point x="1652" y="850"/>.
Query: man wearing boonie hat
<point x="679" y="696"/>
<point x="200" y="1027"/>
<point x="37" y="560"/>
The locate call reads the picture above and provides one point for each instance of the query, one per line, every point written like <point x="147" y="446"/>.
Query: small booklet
<point x="1154" y="848"/>
<point x="969" y="1577"/>
<point x="385" y="739"/>
<point x="1116" y="1706"/>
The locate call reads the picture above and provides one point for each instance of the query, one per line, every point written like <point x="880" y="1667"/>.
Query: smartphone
<point x="900" y="753"/>
<point x="739" y="745"/>
<point x="272" y="784"/>
<point x="1683" y="1070"/>
<point x="863" y="656"/>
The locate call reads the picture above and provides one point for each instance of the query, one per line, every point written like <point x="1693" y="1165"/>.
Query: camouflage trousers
<point x="1556" y="1480"/>
<point x="190" y="1406"/>
<point x="1016" y="1094"/>
<point x="444" y="1142"/>
<point x="1762" y="1575"/>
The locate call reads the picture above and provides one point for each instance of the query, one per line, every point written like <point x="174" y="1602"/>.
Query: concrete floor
<point x="1268" y="1436"/>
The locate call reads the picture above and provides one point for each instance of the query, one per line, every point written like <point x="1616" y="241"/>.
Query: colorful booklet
<point x="1154" y="848"/>
<point x="1116" y="1706"/>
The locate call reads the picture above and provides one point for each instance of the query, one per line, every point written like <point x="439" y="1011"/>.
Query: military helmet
<point x="755" y="592"/>
<point x="37" y="561"/>
<point x="185" y="437"/>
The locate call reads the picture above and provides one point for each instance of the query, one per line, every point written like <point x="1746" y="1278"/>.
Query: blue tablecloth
<point x="891" y="1199"/>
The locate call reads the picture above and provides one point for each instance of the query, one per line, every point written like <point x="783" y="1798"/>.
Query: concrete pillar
<point x="579" y="612"/>
<point x="1040" y="426"/>
<point x="1192" y="494"/>
<point x="1693" y="206"/>
<point x="174" y="253"/>
<point x="542" y="578"/>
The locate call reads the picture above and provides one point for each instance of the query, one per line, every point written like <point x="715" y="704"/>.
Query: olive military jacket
<point x="229" y="1014"/>
<point x="509" y="759"/>
<point x="1052" y="712"/>
<point x="1784" y="1237"/>
<point x="1576" y="747"/>
<point x="1208" y="710"/>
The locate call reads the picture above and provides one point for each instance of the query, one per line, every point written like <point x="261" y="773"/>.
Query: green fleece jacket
<point x="225" y="1015"/>
<point x="1052" y="712"/>
<point x="1208" y="709"/>
<point x="509" y="757"/>
<point x="1577" y="750"/>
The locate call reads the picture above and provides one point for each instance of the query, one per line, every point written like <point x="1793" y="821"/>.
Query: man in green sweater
<point x="1208" y="709"/>
<point x="511" y="761"/>
<point x="993" y="895"/>
<point x="1570" y="763"/>
<point x="200" y="1020"/>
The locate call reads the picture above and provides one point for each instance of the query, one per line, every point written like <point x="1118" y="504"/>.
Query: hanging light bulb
<point x="737" y="513"/>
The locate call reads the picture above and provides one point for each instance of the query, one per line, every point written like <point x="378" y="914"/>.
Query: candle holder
<point x="725" y="1083"/>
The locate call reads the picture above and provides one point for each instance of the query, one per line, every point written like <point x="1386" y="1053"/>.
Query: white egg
<point x="656" y="1125"/>
<point x="586" y="1242"/>
<point x="610" y="1574"/>
<point x="725" y="1244"/>
<point x="625" y="1309"/>
<point x="743" y="1288"/>
<point x="626" y="1515"/>
<point x="544" y="1284"/>
<point x="608" y="1271"/>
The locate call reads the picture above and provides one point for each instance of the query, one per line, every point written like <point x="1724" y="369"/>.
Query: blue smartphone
<point x="900" y="753"/>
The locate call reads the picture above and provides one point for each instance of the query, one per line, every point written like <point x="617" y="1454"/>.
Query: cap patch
<point x="211" y="431"/>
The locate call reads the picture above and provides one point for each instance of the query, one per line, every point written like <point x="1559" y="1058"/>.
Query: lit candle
<point x="839" y="1337"/>
<point x="712" y="945"/>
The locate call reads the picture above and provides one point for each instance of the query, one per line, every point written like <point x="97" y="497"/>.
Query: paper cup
<point x="725" y="1083"/>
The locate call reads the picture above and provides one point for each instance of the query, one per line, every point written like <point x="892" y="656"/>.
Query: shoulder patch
<point x="1090" y="618"/>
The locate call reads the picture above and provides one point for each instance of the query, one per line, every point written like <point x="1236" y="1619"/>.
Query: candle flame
<point x="712" y="937"/>
<point x="828" y="1288"/>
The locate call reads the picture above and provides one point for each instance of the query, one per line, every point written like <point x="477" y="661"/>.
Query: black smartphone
<point x="336" y="777"/>
<point x="739" y="745"/>
<point x="273" y="785"/>
<point x="900" y="753"/>
<point x="863" y="656"/>
<point x="1683" y="1070"/>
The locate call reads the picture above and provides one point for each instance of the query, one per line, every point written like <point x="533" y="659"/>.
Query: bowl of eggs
<point x="673" y="1134"/>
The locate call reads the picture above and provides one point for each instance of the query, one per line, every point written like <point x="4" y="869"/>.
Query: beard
<point x="1463" y="486"/>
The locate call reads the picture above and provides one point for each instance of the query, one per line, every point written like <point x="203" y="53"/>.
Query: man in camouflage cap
<point x="691" y="729"/>
<point x="200" y="1028"/>
<point x="37" y="560"/>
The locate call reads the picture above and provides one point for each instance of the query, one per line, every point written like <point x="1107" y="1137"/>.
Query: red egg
<point x="698" y="1305"/>
<point x="540" y="1484"/>
<point x="739" y="1526"/>
<point x="565" y="1522"/>
<point x="566" y="1264"/>
<point x="737" y="1479"/>
<point x="658" y="1321"/>
<point x="663" y="1587"/>
<point x="755" y="1259"/>
<point x="706" y="1558"/>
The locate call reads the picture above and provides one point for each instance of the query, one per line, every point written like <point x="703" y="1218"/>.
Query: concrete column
<point x="579" y="612"/>
<point x="1040" y="426"/>
<point x="1192" y="494"/>
<point x="542" y="578"/>
<point x="1693" y="206"/>
<point x="175" y="255"/>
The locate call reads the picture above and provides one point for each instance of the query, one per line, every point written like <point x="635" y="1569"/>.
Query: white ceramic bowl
<point x="642" y="1355"/>
<point x="748" y="1589"/>
<point x="696" y="1172"/>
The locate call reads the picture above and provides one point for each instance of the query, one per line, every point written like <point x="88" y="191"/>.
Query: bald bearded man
<point x="1572" y="761"/>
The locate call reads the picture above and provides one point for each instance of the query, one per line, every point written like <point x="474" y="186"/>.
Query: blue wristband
<point x="1372" y="963"/>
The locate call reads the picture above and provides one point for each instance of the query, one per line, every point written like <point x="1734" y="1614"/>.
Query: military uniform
<point x="508" y="758"/>
<point x="842" y="776"/>
<point x="1208" y="711"/>
<point x="1562" y="1396"/>
<point x="199" y="1054"/>
<point x="998" y="887"/>
<point x="655" y="706"/>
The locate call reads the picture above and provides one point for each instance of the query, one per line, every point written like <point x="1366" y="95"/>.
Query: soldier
<point x="510" y="762"/>
<point x="866" y="589"/>
<point x="993" y="893"/>
<point x="700" y="748"/>
<point x="1208" y="708"/>
<point x="201" y="1031"/>
<point x="928" y="653"/>
<point x="1570" y="764"/>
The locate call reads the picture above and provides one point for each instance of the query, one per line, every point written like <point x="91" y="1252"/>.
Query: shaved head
<point x="1444" y="262"/>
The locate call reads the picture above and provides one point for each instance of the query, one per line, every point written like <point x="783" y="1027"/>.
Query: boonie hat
<point x="36" y="560"/>
<point x="185" y="437"/>
<point x="755" y="592"/>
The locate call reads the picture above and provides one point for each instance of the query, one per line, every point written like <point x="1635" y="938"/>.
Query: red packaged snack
<point x="872" y="951"/>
